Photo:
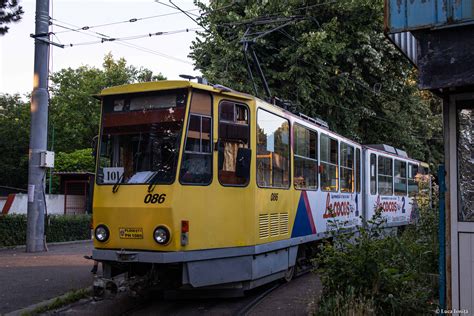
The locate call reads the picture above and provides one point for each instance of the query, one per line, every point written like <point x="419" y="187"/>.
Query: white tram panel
<point x="397" y="210"/>
<point x="331" y="208"/>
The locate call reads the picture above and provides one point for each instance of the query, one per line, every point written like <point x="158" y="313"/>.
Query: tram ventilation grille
<point x="283" y="223"/>
<point x="263" y="221"/>
<point x="272" y="225"/>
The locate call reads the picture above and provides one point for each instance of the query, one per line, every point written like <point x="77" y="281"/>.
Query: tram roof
<point x="170" y="84"/>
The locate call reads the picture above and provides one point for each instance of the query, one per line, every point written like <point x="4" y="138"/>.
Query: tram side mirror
<point x="94" y="146"/>
<point x="219" y="147"/>
<point x="242" y="166"/>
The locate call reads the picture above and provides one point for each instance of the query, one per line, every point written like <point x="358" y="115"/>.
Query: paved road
<point x="294" y="298"/>
<point x="30" y="278"/>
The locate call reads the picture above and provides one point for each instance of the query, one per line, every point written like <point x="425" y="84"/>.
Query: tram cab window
<point x="234" y="133"/>
<point x="305" y="158"/>
<point x="400" y="177"/>
<point x="373" y="174"/>
<point x="358" y="170"/>
<point x="196" y="165"/>
<point x="329" y="163"/>
<point x="273" y="150"/>
<point x="412" y="183"/>
<point x="385" y="175"/>
<point x="140" y="137"/>
<point x="347" y="168"/>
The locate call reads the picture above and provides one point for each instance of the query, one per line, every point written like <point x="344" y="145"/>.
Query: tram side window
<point x="305" y="158"/>
<point x="357" y="170"/>
<point x="233" y="134"/>
<point x="329" y="163"/>
<point x="273" y="150"/>
<point x="412" y="184"/>
<point x="385" y="175"/>
<point x="347" y="168"/>
<point x="400" y="177"/>
<point x="373" y="174"/>
<point x="196" y="167"/>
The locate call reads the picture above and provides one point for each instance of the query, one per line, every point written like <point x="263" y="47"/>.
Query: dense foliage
<point x="10" y="11"/>
<point x="332" y="60"/>
<point x="73" y="118"/>
<point x="80" y="160"/>
<point x="370" y="273"/>
<point x="58" y="228"/>
<point x="14" y="139"/>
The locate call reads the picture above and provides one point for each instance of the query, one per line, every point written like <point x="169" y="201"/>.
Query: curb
<point x="29" y="310"/>
<point x="49" y="244"/>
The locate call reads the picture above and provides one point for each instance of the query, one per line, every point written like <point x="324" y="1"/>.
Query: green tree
<point x="80" y="160"/>
<point x="14" y="133"/>
<point x="332" y="60"/>
<point x="10" y="12"/>
<point x="74" y="113"/>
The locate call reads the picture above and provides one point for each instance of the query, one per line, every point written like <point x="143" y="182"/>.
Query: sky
<point x="165" y="53"/>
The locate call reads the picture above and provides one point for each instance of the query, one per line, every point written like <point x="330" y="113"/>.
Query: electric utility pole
<point x="38" y="131"/>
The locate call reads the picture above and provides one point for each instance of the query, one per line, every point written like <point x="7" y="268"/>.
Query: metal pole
<point x="51" y="169"/>
<point x="441" y="236"/>
<point x="38" y="133"/>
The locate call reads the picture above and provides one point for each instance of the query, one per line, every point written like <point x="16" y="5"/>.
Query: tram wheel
<point x="289" y="274"/>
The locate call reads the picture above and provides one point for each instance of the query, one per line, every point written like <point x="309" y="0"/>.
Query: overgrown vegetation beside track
<point x="367" y="273"/>
<point x="58" y="228"/>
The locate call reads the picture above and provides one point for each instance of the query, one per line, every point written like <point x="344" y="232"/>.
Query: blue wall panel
<point x="409" y="15"/>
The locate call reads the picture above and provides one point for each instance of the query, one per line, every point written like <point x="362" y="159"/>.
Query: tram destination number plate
<point x="130" y="233"/>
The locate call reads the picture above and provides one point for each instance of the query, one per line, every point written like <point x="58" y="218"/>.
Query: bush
<point x="12" y="230"/>
<point x="68" y="228"/>
<point x="367" y="272"/>
<point x="58" y="228"/>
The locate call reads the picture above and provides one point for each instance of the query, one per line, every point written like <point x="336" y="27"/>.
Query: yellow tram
<point x="200" y="186"/>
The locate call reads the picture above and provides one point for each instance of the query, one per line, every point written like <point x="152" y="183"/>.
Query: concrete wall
<point x="54" y="204"/>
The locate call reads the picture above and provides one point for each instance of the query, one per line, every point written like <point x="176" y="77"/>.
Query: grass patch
<point x="61" y="301"/>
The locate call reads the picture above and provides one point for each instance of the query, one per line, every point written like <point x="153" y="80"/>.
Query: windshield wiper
<point x="153" y="182"/>
<point x="116" y="186"/>
<point x="162" y="170"/>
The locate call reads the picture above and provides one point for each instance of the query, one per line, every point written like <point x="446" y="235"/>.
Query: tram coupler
<point x="105" y="287"/>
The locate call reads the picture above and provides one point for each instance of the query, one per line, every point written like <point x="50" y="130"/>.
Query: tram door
<point x="273" y="197"/>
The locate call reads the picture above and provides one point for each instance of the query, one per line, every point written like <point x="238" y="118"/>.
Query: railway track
<point x="280" y="296"/>
<point x="257" y="300"/>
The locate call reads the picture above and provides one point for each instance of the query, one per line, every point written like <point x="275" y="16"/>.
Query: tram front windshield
<point x="140" y="137"/>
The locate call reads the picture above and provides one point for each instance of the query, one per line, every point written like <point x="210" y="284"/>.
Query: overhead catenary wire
<point x="129" y="38"/>
<point x="173" y="6"/>
<point x="101" y="36"/>
<point x="131" y="20"/>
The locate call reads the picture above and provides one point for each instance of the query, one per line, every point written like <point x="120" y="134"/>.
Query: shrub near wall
<point x="58" y="228"/>
<point x="12" y="230"/>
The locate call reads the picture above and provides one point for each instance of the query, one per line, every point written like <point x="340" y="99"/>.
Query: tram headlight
<point x="102" y="233"/>
<point x="162" y="235"/>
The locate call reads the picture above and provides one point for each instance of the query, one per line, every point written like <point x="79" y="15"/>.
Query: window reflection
<point x="305" y="158"/>
<point x="141" y="137"/>
<point x="329" y="163"/>
<point x="385" y="175"/>
<point x="273" y="150"/>
<point x="465" y="153"/>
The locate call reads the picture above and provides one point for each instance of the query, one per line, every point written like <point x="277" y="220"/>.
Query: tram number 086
<point x="154" y="198"/>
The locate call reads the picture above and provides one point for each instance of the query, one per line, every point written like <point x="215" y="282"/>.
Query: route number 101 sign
<point x="112" y="174"/>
